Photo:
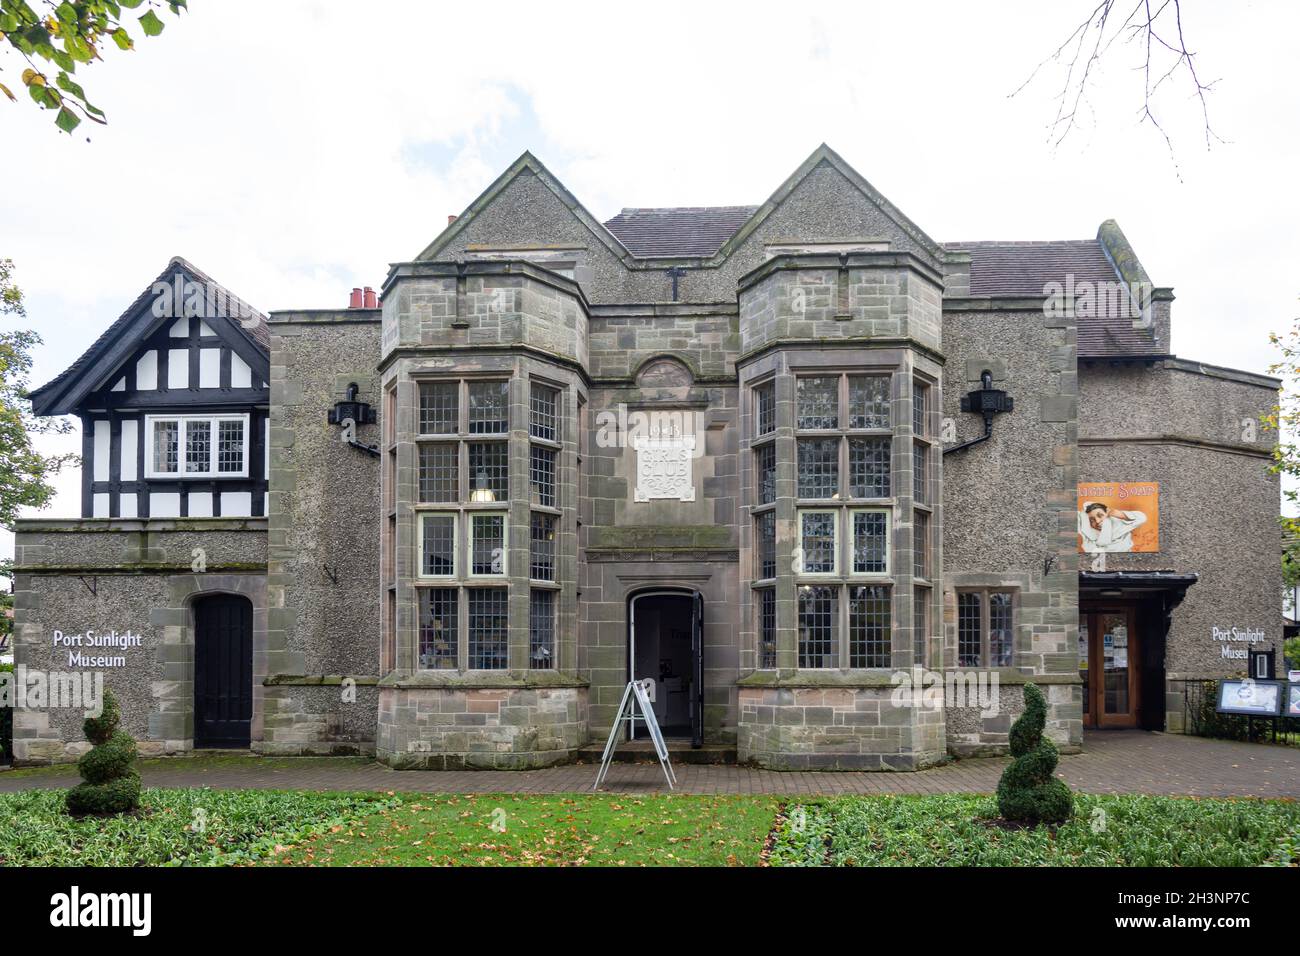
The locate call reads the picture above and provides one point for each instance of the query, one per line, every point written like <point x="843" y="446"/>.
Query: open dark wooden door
<point x="697" y="661"/>
<point x="223" y="672"/>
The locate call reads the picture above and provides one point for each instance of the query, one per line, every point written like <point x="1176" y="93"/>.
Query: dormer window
<point x="197" y="446"/>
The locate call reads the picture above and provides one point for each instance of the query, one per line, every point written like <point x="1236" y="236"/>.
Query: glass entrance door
<point x="1111" y="673"/>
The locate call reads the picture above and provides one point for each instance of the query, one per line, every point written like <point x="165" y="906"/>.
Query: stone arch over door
<point x="171" y="724"/>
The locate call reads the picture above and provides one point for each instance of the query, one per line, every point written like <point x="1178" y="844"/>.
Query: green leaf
<point x="67" y="120"/>
<point x="69" y="85"/>
<point x="122" y="39"/>
<point x="151" y="24"/>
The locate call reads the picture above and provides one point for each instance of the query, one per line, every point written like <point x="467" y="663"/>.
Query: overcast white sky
<point x="293" y="149"/>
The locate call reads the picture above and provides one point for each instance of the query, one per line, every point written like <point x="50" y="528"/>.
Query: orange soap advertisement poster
<point x="1117" y="517"/>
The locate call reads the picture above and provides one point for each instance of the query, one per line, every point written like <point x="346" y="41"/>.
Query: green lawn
<point x="561" y="830"/>
<point x="232" y="827"/>
<point x="951" y="830"/>
<point x="173" y="827"/>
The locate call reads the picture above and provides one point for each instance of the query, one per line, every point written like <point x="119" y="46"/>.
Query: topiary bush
<point x="111" y="784"/>
<point x="1027" y="792"/>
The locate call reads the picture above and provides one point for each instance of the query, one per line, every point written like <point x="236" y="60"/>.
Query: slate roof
<point x="1024" y="268"/>
<point x="1010" y="269"/>
<point x="256" y="328"/>
<point x="678" y="231"/>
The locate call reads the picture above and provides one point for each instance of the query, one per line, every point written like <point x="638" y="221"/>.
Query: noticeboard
<point x="1250" y="698"/>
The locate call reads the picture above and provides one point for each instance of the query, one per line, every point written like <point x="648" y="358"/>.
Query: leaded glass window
<point x="438" y="628"/>
<point x="488" y="628"/>
<point x="869" y="464"/>
<point x="489" y="405"/>
<point x="870" y="630"/>
<point x="439" y="473"/>
<point x="541" y="629"/>
<point x="819" y="626"/>
<point x="818" y="402"/>
<point x="819" y="467"/>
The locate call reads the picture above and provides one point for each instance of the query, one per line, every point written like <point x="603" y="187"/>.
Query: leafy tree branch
<point x="54" y="37"/>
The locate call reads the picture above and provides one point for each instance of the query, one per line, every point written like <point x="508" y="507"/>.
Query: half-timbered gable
<point x="173" y="402"/>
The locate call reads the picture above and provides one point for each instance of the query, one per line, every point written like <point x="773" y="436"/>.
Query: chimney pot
<point x="354" y="302"/>
<point x="370" y="300"/>
<point x="451" y="219"/>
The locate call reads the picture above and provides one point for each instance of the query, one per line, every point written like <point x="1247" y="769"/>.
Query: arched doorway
<point x="665" y="643"/>
<point x="223" y="671"/>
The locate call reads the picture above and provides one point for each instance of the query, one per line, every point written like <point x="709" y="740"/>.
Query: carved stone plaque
<point x="663" y="468"/>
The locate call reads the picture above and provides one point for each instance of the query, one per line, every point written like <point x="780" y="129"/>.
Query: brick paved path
<point x="1113" y="762"/>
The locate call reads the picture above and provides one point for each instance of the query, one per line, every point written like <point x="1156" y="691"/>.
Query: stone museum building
<point x="837" y="488"/>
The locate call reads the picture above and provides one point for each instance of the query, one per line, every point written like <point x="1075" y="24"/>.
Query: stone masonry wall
<point x="837" y="728"/>
<point x="495" y="728"/>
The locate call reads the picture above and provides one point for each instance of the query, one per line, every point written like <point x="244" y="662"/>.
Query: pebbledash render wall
<point x="322" y="655"/>
<point x="136" y="577"/>
<point x="1198" y="430"/>
<point x="1009" y="508"/>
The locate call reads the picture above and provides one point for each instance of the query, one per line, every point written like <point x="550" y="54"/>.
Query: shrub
<point x="99" y="729"/>
<point x="111" y="784"/>
<point x="110" y="760"/>
<point x="1027" y="792"/>
<point x="102" y="799"/>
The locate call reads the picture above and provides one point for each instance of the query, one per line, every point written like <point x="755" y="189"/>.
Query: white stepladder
<point x="636" y="695"/>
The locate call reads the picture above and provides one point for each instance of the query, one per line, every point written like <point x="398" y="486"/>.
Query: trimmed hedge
<point x="111" y="784"/>
<point x="1027" y="792"/>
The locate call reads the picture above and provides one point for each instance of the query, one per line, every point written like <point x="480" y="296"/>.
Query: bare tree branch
<point x="1157" y="34"/>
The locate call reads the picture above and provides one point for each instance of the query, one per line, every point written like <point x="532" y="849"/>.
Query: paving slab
<point x="1112" y="762"/>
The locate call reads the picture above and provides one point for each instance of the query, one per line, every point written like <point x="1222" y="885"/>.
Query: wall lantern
<point x="986" y="401"/>
<point x="350" y="413"/>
